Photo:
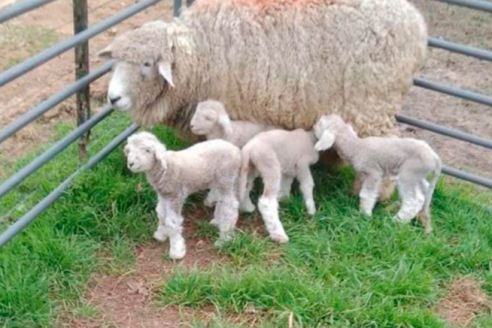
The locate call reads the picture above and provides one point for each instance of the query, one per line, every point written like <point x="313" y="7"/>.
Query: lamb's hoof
<point x="177" y="254"/>
<point x="311" y="209"/>
<point x="367" y="214"/>
<point x="281" y="239"/>
<point x="402" y="220"/>
<point x="214" y="222"/>
<point x="428" y="230"/>
<point x="209" y="203"/>
<point x="247" y="208"/>
<point x="160" y="236"/>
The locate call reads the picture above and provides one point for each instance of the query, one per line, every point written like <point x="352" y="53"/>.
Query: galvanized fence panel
<point x="79" y="85"/>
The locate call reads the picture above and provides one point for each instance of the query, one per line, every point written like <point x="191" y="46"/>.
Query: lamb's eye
<point x="147" y="64"/>
<point x="147" y="150"/>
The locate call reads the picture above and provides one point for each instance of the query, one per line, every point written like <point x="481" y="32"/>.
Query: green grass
<point x="339" y="269"/>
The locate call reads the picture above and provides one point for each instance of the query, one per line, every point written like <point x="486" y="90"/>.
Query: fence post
<point x="177" y="7"/>
<point x="80" y="22"/>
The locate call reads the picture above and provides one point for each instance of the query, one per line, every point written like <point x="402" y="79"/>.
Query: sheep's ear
<point x="326" y="141"/>
<point x="166" y="72"/>
<point x="225" y="122"/>
<point x="106" y="53"/>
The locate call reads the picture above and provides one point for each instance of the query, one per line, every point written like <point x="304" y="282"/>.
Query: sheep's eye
<point x="147" y="150"/>
<point x="147" y="64"/>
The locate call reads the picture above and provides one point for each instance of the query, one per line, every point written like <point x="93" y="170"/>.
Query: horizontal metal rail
<point x="59" y="48"/>
<point x="474" y="4"/>
<point x="19" y="8"/>
<point x="453" y="91"/>
<point x="487" y="143"/>
<point x="451" y="171"/>
<point x="54" y="150"/>
<point x="30" y="216"/>
<point x="54" y="100"/>
<point x="459" y="48"/>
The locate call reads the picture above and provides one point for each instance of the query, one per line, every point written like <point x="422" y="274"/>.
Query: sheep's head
<point x="208" y="116"/>
<point x="142" y="151"/>
<point x="327" y="128"/>
<point x="143" y="68"/>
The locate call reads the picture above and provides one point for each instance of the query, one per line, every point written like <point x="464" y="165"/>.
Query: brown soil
<point x="463" y="303"/>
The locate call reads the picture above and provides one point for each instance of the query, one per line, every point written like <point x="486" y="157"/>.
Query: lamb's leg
<point x="412" y="200"/>
<point x="226" y="214"/>
<point x="424" y="215"/>
<point x="270" y="171"/>
<point x="174" y="229"/>
<point x="306" y="183"/>
<point x="369" y="192"/>
<point x="246" y="203"/>
<point x="387" y="189"/>
<point x="161" y="234"/>
<point x="356" y="185"/>
<point x="285" y="186"/>
<point x="211" y="198"/>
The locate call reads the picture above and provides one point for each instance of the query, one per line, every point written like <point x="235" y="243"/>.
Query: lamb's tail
<point x="243" y="174"/>
<point x="436" y="172"/>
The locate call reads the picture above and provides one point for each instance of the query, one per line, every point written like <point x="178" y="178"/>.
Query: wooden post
<point x="80" y="22"/>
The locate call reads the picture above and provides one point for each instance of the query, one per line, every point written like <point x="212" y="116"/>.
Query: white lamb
<point x="279" y="157"/>
<point x="409" y="160"/>
<point x="212" y="121"/>
<point x="176" y="174"/>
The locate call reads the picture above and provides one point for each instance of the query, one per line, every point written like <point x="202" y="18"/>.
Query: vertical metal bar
<point x="80" y="22"/>
<point x="177" y="7"/>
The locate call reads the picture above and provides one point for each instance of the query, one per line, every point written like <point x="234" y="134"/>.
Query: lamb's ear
<point x="225" y="122"/>
<point x="165" y="71"/>
<point x="326" y="141"/>
<point x="160" y="155"/>
<point x="106" y="53"/>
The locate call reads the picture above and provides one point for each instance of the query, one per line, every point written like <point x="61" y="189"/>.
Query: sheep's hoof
<point x="177" y="254"/>
<point x="428" y="230"/>
<point x="281" y="239"/>
<point x="366" y="213"/>
<point x="311" y="209"/>
<point x="209" y="203"/>
<point x="160" y="236"/>
<point x="399" y="219"/>
<point x="247" y="208"/>
<point x="214" y="222"/>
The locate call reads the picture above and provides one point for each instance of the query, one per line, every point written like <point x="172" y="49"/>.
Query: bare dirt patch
<point x="463" y="303"/>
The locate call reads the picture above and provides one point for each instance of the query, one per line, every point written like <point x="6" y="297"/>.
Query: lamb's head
<point x="142" y="151"/>
<point x="143" y="68"/>
<point x="327" y="128"/>
<point x="210" y="115"/>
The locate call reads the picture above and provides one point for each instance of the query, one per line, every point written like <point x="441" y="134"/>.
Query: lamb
<point x="212" y="120"/>
<point x="279" y="157"/>
<point x="351" y="57"/>
<point x="175" y="175"/>
<point x="407" y="159"/>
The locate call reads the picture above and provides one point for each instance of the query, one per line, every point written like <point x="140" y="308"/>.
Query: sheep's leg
<point x="356" y="185"/>
<point x="424" y="215"/>
<point x="270" y="171"/>
<point x="211" y="198"/>
<point x="412" y="200"/>
<point x="174" y="229"/>
<point x="306" y="183"/>
<point x="161" y="234"/>
<point x="285" y="186"/>
<point x="387" y="189"/>
<point x="369" y="193"/>
<point x="246" y="203"/>
<point x="226" y="214"/>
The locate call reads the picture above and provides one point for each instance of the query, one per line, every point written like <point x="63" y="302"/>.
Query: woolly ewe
<point x="279" y="157"/>
<point x="176" y="174"/>
<point x="276" y="62"/>
<point x="409" y="160"/>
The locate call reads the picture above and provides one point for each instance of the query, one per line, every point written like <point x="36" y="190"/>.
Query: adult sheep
<point x="278" y="62"/>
